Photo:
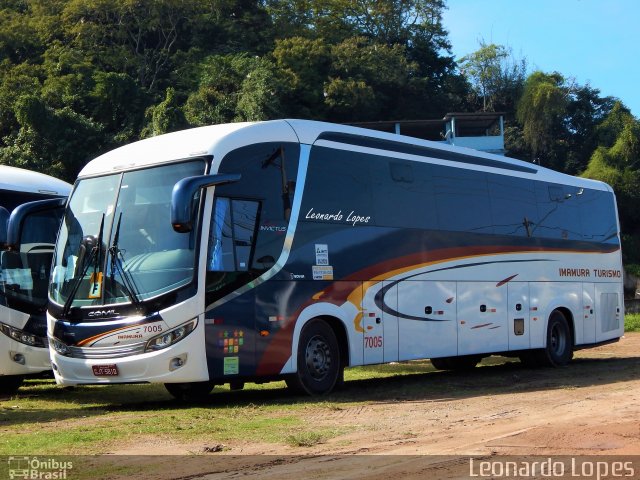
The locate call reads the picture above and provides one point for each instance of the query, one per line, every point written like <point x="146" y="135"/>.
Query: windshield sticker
<point x="321" y="272"/>
<point x="231" y="365"/>
<point x="95" y="285"/>
<point x="322" y="254"/>
<point x="352" y="218"/>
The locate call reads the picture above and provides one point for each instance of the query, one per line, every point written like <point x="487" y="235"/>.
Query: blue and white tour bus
<point x="292" y="249"/>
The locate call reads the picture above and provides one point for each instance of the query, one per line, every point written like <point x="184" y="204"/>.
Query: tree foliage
<point x="619" y="166"/>
<point x="497" y="77"/>
<point x="543" y="103"/>
<point x="78" y="77"/>
<point x="119" y="70"/>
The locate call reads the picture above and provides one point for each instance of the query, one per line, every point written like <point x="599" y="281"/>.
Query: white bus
<point x="24" y="273"/>
<point x="292" y="249"/>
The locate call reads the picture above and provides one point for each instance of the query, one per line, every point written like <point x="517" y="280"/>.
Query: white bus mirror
<point x="185" y="190"/>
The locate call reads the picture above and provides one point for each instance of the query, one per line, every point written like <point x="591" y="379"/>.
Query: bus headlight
<point x="167" y="339"/>
<point x="22" y="336"/>
<point x="59" y="346"/>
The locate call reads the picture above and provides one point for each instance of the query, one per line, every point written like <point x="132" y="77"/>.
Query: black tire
<point x="320" y="367"/>
<point x="440" y="363"/>
<point x="463" y="362"/>
<point x="190" y="392"/>
<point x="559" y="349"/>
<point x="9" y="384"/>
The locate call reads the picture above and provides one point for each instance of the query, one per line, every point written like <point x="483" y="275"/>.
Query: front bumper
<point x="150" y="367"/>
<point x="19" y="359"/>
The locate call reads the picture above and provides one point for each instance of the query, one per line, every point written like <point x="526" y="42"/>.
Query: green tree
<point x="305" y="65"/>
<point x="56" y="142"/>
<point x="366" y="79"/>
<point x="497" y="77"/>
<point x="165" y="117"/>
<point x="619" y="166"/>
<point x="541" y="107"/>
<point x="234" y="88"/>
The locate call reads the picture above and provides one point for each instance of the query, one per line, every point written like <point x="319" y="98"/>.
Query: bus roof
<point x="21" y="180"/>
<point x="222" y="138"/>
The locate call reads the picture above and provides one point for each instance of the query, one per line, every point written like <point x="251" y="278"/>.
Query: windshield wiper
<point x="117" y="259"/>
<point x="94" y="259"/>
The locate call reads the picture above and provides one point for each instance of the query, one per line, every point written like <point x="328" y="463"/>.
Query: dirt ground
<point x="591" y="407"/>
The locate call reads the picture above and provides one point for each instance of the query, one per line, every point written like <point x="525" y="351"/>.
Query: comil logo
<point x="38" y="469"/>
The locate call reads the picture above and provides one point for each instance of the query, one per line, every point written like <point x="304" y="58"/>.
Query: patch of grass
<point x="389" y="370"/>
<point x="305" y="439"/>
<point x="46" y="419"/>
<point x="632" y="322"/>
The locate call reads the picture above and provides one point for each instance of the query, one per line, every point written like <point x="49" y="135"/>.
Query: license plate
<point x="105" y="370"/>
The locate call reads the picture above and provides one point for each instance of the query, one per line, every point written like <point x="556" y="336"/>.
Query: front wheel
<point x="190" y="392"/>
<point x="9" y="384"/>
<point x="318" y="359"/>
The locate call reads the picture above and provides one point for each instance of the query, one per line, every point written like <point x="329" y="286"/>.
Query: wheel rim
<point x="558" y="340"/>
<point x="318" y="357"/>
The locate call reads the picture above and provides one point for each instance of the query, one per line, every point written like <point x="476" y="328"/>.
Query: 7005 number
<point x="152" y="328"/>
<point x="373" y="342"/>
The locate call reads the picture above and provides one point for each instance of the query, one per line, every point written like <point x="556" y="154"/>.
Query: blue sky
<point x="593" y="41"/>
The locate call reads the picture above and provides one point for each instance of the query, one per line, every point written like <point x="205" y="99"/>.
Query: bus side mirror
<point x="21" y="213"/>
<point x="4" y="222"/>
<point x="185" y="190"/>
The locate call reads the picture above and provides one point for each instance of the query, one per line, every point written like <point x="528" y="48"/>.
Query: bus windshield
<point x="117" y="245"/>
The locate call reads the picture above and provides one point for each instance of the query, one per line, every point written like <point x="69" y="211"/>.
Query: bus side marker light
<point x="264" y="333"/>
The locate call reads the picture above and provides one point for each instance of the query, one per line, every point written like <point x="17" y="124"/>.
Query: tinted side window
<point x="513" y="205"/>
<point x="558" y="212"/>
<point x="462" y="200"/>
<point x="598" y="216"/>
<point x="403" y="193"/>
<point x="338" y="183"/>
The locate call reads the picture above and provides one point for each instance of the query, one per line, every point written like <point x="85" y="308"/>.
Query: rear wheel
<point x="559" y="348"/>
<point x="9" y="384"/>
<point x="318" y="359"/>
<point x="190" y="392"/>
